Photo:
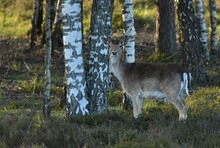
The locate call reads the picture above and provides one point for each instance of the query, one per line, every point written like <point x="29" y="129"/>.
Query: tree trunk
<point x="129" y="32"/>
<point x="36" y="22"/>
<point x="214" y="36"/>
<point x="128" y="19"/>
<point x="47" y="106"/>
<point x="165" y="27"/>
<point x="101" y="21"/>
<point x="203" y="32"/>
<point x="77" y="101"/>
<point x="56" y="29"/>
<point x="40" y="17"/>
<point x="192" y="53"/>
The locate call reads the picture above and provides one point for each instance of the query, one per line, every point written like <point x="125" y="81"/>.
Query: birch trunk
<point x="77" y="101"/>
<point x="192" y="54"/>
<point x="214" y="35"/>
<point x="129" y="32"/>
<point x="203" y="32"/>
<point x="47" y="106"/>
<point x="99" y="56"/>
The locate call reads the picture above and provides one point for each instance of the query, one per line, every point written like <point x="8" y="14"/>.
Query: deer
<point x="160" y="81"/>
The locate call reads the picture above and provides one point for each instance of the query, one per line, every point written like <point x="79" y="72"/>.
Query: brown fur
<point x="142" y="80"/>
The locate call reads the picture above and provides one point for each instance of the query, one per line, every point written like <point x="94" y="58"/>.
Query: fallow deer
<point x="163" y="81"/>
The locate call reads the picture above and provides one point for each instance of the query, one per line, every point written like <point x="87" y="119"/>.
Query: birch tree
<point x="77" y="101"/>
<point x="192" y="54"/>
<point x="98" y="61"/>
<point x="129" y="33"/>
<point x="47" y="106"/>
<point x="214" y="36"/>
<point x="129" y="30"/>
<point x="203" y="32"/>
<point x="165" y="27"/>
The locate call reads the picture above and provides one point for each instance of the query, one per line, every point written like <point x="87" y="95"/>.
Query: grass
<point x="13" y="22"/>
<point x="158" y="126"/>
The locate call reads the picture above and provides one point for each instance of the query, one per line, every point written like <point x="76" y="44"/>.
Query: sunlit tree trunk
<point x="192" y="54"/>
<point x="101" y="21"/>
<point x="47" y="105"/>
<point x="203" y="32"/>
<point x="77" y="101"/>
<point x="214" y="35"/>
<point x="129" y="30"/>
<point x="165" y="27"/>
<point x="129" y="33"/>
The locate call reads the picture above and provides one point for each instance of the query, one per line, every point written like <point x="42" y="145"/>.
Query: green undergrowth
<point x="158" y="126"/>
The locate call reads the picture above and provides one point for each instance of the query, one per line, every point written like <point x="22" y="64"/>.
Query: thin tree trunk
<point x="56" y="29"/>
<point x="40" y="17"/>
<point x="47" y="105"/>
<point x="101" y="21"/>
<point x="34" y="24"/>
<point x="77" y="101"/>
<point x="203" y="32"/>
<point x="214" y="35"/>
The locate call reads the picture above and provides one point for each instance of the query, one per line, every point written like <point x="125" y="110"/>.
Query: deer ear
<point x="106" y="40"/>
<point x="124" y="40"/>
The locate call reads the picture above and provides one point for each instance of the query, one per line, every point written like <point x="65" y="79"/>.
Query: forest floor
<point x="21" y="100"/>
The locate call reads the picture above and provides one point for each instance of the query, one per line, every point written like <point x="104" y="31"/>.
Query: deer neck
<point x="118" y="67"/>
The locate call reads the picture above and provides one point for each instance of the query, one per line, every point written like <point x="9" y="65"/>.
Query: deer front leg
<point x="135" y="107"/>
<point x="139" y="101"/>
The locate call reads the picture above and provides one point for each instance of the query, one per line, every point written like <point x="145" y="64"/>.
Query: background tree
<point x="192" y="54"/>
<point x="203" y="32"/>
<point x="77" y="101"/>
<point x="101" y="20"/>
<point x="129" y="33"/>
<point x="47" y="106"/>
<point x="129" y="30"/>
<point x="56" y="28"/>
<point x="165" y="27"/>
<point x="36" y="22"/>
<point x="214" y="36"/>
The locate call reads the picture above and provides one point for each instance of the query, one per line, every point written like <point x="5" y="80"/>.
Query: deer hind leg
<point x="180" y="106"/>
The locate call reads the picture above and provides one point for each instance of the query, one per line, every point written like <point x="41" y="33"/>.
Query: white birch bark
<point x="129" y="33"/>
<point x="214" y="35"/>
<point x="129" y="30"/>
<point x="47" y="106"/>
<point x="77" y="100"/>
<point x="203" y="34"/>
